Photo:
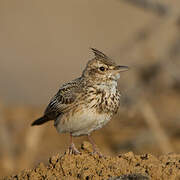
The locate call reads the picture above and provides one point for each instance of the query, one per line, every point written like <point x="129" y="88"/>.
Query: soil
<point x="91" y="166"/>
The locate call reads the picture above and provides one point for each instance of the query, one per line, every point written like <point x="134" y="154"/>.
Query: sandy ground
<point x="89" y="166"/>
<point x="23" y="146"/>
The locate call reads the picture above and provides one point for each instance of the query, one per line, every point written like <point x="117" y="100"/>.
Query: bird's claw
<point x="73" y="150"/>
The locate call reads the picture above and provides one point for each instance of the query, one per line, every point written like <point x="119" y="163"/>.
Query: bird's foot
<point x="95" y="149"/>
<point x="73" y="149"/>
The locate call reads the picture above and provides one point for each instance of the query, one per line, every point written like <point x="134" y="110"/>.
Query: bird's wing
<point x="63" y="100"/>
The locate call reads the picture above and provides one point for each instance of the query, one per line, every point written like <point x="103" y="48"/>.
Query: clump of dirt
<point x="91" y="166"/>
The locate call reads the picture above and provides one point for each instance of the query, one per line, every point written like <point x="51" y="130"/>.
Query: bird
<point x="87" y="103"/>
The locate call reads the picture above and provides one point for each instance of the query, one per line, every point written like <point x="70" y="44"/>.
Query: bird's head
<point x="102" y="68"/>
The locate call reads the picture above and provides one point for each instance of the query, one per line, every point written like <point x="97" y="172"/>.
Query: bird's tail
<point x="40" y="121"/>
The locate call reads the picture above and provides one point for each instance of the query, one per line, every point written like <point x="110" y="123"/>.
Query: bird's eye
<point x="102" y="68"/>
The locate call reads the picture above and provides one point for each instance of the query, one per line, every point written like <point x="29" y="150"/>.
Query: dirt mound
<point x="88" y="166"/>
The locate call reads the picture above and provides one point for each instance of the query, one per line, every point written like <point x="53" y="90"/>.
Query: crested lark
<point x="88" y="102"/>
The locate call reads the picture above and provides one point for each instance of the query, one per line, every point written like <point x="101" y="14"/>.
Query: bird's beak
<point x="122" y="68"/>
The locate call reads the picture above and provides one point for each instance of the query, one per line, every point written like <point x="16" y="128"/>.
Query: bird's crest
<point x="102" y="57"/>
<point x="98" y="53"/>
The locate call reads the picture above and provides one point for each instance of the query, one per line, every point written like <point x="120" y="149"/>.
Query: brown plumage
<point x="88" y="102"/>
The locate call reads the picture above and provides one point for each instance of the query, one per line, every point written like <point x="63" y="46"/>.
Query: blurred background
<point x="44" y="44"/>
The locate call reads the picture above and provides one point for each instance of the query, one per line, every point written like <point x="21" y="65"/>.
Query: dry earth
<point x="88" y="166"/>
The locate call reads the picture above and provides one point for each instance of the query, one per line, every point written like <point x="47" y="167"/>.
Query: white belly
<point x="82" y="122"/>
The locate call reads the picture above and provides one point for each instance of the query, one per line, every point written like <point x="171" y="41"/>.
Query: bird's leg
<point x="95" y="149"/>
<point x="72" y="148"/>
